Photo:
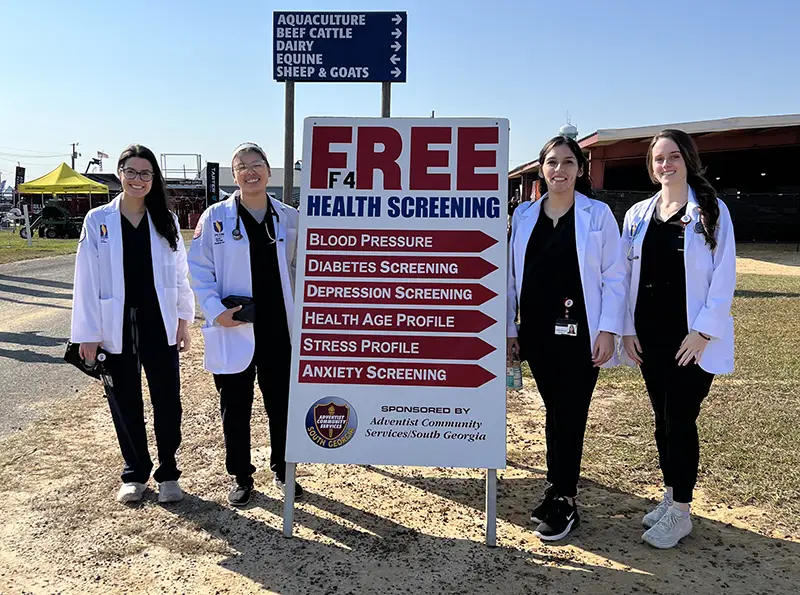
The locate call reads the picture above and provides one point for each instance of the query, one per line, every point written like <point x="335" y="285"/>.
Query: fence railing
<point x="769" y="217"/>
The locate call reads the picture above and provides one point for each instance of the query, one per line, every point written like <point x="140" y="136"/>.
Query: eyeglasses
<point x="132" y="174"/>
<point x="255" y="166"/>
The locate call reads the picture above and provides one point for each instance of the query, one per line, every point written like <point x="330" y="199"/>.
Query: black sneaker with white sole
<point x="561" y="518"/>
<point x="539" y="513"/>
<point x="240" y="495"/>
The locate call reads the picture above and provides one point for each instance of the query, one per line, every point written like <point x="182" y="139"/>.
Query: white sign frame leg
<point x="288" y="500"/>
<point x="490" y="509"/>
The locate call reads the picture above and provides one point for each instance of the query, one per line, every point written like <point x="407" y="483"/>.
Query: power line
<point x="16" y="156"/>
<point x="26" y="150"/>
<point x="15" y="161"/>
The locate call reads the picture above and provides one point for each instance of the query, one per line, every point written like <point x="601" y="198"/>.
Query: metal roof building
<point x="751" y="161"/>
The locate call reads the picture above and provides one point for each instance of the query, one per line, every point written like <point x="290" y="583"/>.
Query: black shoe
<point x="240" y="495"/>
<point x="539" y="513"/>
<point x="281" y="485"/>
<point x="561" y="518"/>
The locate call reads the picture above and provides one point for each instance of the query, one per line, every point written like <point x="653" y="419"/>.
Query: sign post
<point x="400" y="284"/>
<point x="212" y="183"/>
<point x="335" y="47"/>
<point x="27" y="225"/>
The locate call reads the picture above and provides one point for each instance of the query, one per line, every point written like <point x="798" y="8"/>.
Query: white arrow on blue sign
<point x="339" y="46"/>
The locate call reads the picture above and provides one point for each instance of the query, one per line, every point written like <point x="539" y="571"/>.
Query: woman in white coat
<point x="245" y="247"/>
<point x="681" y="274"/>
<point x="566" y="284"/>
<point x="132" y="298"/>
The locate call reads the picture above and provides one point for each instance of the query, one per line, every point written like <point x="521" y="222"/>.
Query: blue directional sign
<point x="353" y="47"/>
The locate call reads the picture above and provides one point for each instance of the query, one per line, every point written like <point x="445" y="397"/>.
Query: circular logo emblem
<point x="568" y="303"/>
<point x="331" y="422"/>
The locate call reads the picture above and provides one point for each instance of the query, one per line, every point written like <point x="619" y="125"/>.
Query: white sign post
<point x="27" y="225"/>
<point x="399" y="330"/>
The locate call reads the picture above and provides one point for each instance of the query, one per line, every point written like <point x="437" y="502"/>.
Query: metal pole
<point x="386" y="100"/>
<point x="288" y="144"/>
<point x="27" y="225"/>
<point x="288" y="500"/>
<point x="491" y="507"/>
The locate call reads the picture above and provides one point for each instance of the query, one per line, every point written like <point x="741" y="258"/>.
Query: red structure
<point x="752" y="162"/>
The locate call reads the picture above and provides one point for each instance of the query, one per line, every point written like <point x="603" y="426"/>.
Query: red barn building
<point x="751" y="161"/>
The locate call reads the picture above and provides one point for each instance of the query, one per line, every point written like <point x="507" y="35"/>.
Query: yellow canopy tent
<point x="63" y="180"/>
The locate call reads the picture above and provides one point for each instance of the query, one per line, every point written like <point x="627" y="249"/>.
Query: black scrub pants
<point x="565" y="377"/>
<point x="270" y="366"/>
<point x="676" y="392"/>
<point x="145" y="345"/>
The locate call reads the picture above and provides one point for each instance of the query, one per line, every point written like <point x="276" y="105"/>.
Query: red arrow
<point x="394" y="374"/>
<point x="397" y="240"/>
<point x="396" y="319"/>
<point x="440" y="294"/>
<point x="394" y="347"/>
<point x="397" y="267"/>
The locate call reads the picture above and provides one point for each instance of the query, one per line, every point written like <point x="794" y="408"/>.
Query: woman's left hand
<point x="691" y="349"/>
<point x="184" y="341"/>
<point x="603" y="348"/>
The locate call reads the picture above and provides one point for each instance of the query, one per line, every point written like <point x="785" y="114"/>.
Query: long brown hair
<point x="695" y="177"/>
<point x="583" y="183"/>
<point x="156" y="201"/>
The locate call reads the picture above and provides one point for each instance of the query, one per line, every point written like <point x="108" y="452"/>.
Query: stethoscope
<point x="237" y="232"/>
<point x="637" y="227"/>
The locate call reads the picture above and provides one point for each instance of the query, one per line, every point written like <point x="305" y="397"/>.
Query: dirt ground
<point x="768" y="259"/>
<point x="359" y="529"/>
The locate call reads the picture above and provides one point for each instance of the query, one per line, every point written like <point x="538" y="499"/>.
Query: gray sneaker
<point x="169" y="491"/>
<point x="652" y="517"/>
<point x="668" y="531"/>
<point x="130" y="492"/>
<point x="279" y="483"/>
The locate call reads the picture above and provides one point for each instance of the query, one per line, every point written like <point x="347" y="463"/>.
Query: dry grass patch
<point x="749" y="430"/>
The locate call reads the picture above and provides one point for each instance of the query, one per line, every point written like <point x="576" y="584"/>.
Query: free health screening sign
<point x="399" y="331"/>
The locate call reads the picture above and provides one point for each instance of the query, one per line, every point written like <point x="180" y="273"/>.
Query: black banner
<point x="212" y="183"/>
<point x="19" y="177"/>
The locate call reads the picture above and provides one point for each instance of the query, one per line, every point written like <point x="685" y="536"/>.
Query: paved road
<point x="35" y="309"/>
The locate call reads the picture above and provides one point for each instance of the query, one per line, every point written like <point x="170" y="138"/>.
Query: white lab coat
<point x="599" y="259"/>
<point x="98" y="300"/>
<point x="220" y="267"/>
<point x="710" y="279"/>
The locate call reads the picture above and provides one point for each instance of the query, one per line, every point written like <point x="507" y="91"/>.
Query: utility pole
<point x="75" y="154"/>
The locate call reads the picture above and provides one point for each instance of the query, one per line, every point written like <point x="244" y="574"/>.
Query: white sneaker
<point x="130" y="492"/>
<point x="666" y="533"/>
<point x="652" y="517"/>
<point x="169" y="491"/>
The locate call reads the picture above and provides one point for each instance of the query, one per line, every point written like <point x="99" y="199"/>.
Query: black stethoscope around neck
<point x="237" y="231"/>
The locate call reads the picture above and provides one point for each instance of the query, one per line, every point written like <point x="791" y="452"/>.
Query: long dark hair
<point x="583" y="183"/>
<point x="156" y="201"/>
<point x="695" y="176"/>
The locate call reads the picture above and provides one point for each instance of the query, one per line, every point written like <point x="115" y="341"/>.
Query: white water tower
<point x="569" y="131"/>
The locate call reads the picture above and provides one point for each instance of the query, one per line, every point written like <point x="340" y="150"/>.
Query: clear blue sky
<point x="196" y="76"/>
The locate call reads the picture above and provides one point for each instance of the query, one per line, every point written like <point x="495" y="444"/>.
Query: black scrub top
<point x="140" y="288"/>
<point x="551" y="275"/>
<point x="660" y="316"/>
<point x="270" y="327"/>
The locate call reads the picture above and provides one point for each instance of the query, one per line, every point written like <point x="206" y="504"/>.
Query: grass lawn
<point x="749" y="430"/>
<point x="13" y="248"/>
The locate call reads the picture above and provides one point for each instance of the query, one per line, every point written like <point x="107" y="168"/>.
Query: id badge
<point x="567" y="327"/>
